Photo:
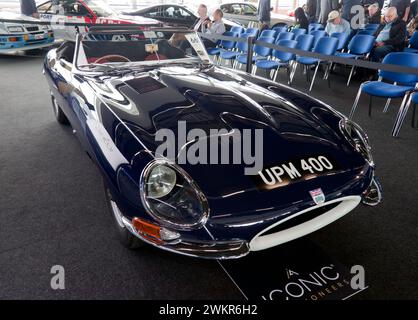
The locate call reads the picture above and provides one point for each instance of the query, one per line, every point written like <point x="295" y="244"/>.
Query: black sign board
<point x="298" y="270"/>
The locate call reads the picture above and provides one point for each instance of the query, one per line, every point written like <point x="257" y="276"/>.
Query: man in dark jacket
<point x="202" y="12"/>
<point x="311" y="10"/>
<point x="390" y="36"/>
<point x="374" y="14"/>
<point x="264" y="8"/>
<point x="28" y="8"/>
<point x="346" y="9"/>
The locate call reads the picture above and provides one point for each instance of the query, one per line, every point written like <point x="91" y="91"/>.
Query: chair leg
<point x="351" y="74"/>
<point x="328" y="71"/>
<point x="288" y="75"/>
<point x="370" y="105"/>
<point x="353" y="109"/>
<point x="403" y="110"/>
<point x="314" y="76"/>
<point x="293" y="72"/>
<point x="413" y="115"/>
<point x="386" y="105"/>
<point x="276" y="73"/>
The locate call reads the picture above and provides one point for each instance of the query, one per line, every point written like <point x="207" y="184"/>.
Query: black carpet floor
<point x="52" y="209"/>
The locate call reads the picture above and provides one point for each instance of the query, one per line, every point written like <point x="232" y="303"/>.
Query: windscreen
<point x="140" y="47"/>
<point x="100" y="8"/>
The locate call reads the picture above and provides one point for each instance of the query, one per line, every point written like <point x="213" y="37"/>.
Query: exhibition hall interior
<point x="256" y="151"/>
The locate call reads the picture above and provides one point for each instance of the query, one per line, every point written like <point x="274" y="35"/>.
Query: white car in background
<point x="246" y="14"/>
<point x="23" y="36"/>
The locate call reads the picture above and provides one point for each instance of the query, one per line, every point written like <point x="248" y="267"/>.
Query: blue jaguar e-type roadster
<point x="117" y="95"/>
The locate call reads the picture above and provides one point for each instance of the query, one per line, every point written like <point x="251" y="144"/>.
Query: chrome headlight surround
<point x="13" y="29"/>
<point x="357" y="138"/>
<point x="185" y="190"/>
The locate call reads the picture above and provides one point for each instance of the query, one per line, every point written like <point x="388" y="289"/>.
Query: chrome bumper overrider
<point x="374" y="194"/>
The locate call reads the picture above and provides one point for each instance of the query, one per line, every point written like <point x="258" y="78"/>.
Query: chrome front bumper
<point x="206" y="249"/>
<point x="239" y="248"/>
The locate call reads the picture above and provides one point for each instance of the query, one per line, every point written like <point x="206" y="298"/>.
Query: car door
<point x="233" y="11"/>
<point x="178" y="16"/>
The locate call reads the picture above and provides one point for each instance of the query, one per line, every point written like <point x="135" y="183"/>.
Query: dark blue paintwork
<point x="295" y="127"/>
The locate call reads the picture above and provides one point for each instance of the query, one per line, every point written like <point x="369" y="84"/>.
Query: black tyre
<point x="59" y="115"/>
<point x="123" y="234"/>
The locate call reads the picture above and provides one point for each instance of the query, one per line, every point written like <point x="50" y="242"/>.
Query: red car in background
<point x="85" y="11"/>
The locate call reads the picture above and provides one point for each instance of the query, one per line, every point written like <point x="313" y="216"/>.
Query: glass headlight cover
<point x="171" y="197"/>
<point x="15" y="29"/>
<point x="161" y="181"/>
<point x="357" y="137"/>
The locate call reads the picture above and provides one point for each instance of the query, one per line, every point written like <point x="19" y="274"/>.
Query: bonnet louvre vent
<point x="145" y="84"/>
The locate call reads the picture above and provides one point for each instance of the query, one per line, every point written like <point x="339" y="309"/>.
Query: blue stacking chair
<point x="325" y="45"/>
<point x="237" y="29"/>
<point x="223" y="45"/>
<point x="372" y="26"/>
<point x="358" y="48"/>
<point x="314" y="27"/>
<point x="413" y="43"/>
<point x="268" y="34"/>
<point x="260" y="52"/>
<point x="318" y="34"/>
<point x="240" y="48"/>
<point x="369" y="32"/>
<point x="253" y="32"/>
<point x="285" y="36"/>
<point x="402" y="85"/>
<point x="305" y="43"/>
<point x="298" y="31"/>
<point x="342" y="39"/>
<point x="280" y="59"/>
<point x="280" y="29"/>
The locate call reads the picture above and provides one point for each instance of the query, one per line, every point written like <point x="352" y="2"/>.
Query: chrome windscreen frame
<point x="79" y="39"/>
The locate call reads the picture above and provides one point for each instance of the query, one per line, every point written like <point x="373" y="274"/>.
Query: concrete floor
<point x="52" y="210"/>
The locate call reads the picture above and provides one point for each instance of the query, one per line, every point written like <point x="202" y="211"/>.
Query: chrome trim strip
<point x="208" y="250"/>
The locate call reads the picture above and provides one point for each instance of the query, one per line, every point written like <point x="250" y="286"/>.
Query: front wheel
<point x="59" y="115"/>
<point x="127" y="239"/>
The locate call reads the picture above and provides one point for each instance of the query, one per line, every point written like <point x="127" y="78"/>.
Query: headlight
<point x="171" y="197"/>
<point x="358" y="138"/>
<point x="44" y="27"/>
<point x="15" y="29"/>
<point x="161" y="181"/>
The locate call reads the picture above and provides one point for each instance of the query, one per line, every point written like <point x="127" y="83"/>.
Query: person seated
<point x="375" y="14"/>
<point x="202" y="12"/>
<point x="301" y="21"/>
<point x="215" y="27"/>
<point x="390" y="37"/>
<point x="412" y="26"/>
<point x="336" y="23"/>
